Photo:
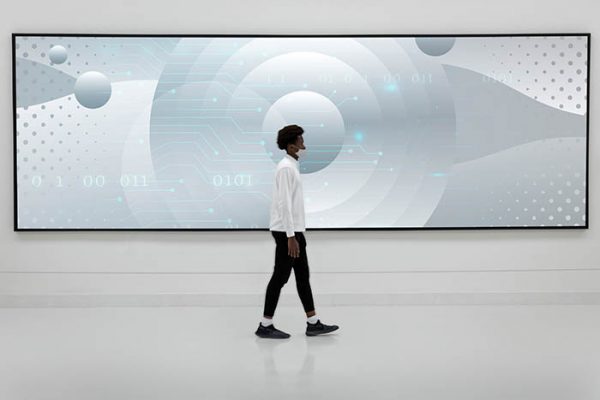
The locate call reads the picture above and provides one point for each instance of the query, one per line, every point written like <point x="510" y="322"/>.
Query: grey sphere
<point x="92" y="89"/>
<point x="58" y="54"/>
<point x="435" y="46"/>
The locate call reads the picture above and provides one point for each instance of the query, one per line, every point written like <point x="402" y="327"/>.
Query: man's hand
<point x="293" y="247"/>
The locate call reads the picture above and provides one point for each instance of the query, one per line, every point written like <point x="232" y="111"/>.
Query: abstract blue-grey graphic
<point x="179" y="132"/>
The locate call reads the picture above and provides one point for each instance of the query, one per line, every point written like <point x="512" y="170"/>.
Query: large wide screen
<point x="179" y="132"/>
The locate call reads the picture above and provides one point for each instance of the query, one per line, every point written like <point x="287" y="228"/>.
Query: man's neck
<point x="293" y="155"/>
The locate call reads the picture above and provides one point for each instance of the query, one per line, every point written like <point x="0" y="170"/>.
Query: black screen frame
<point x="353" y="35"/>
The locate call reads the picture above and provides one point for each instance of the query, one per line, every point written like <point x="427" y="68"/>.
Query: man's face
<point x="300" y="142"/>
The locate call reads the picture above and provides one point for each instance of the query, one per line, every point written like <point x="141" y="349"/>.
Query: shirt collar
<point x="292" y="158"/>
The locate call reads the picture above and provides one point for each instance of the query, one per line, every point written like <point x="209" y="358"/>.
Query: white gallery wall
<point x="347" y="267"/>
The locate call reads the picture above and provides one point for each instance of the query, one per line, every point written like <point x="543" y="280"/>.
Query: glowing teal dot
<point x="129" y="73"/>
<point x="120" y="199"/>
<point x="262" y="142"/>
<point x="173" y="91"/>
<point x="355" y="97"/>
<point x="391" y="87"/>
<point x="322" y="125"/>
<point x="380" y="153"/>
<point x="172" y="189"/>
<point x="229" y="220"/>
<point x="181" y="180"/>
<point x="214" y="99"/>
<point x="216" y="152"/>
<point x="210" y="210"/>
<point x="305" y="85"/>
<point x="259" y="109"/>
<point x="326" y="183"/>
<point x="141" y="141"/>
<point x="350" y="151"/>
<point x="358" y="136"/>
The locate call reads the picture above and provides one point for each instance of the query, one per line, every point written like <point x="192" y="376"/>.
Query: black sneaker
<point x="270" y="332"/>
<point x="319" y="328"/>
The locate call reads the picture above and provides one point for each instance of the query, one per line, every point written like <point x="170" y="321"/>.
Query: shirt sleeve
<point x="285" y="181"/>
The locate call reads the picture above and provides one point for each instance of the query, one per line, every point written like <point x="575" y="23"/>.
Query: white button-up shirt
<point x="287" y="208"/>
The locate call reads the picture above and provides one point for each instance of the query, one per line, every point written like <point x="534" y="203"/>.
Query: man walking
<point x="287" y="227"/>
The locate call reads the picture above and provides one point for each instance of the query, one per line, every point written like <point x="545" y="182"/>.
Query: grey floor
<point x="380" y="352"/>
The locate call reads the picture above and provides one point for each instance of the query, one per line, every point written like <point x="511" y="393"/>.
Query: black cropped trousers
<point x="284" y="264"/>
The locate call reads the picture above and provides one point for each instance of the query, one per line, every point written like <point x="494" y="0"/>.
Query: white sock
<point x="313" y="319"/>
<point x="266" y="321"/>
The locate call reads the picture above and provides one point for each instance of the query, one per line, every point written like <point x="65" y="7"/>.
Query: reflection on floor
<point x="501" y="352"/>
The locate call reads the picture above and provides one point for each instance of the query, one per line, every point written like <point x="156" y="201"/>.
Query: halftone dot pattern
<point x="550" y="195"/>
<point x="60" y="145"/>
<point x="65" y="143"/>
<point x="532" y="192"/>
<point x="102" y="54"/>
<point x="46" y="152"/>
<point x="550" y="69"/>
<point x="47" y="82"/>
